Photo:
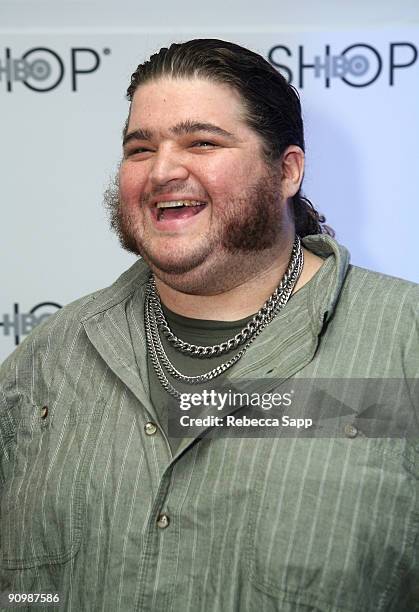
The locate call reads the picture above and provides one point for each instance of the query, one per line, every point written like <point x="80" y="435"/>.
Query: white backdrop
<point x="59" y="147"/>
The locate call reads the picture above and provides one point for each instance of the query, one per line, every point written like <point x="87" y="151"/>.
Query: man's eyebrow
<point x="140" y="134"/>
<point x="184" y="127"/>
<point x="188" y="127"/>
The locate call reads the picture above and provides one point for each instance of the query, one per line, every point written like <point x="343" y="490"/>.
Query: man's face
<point x="195" y="193"/>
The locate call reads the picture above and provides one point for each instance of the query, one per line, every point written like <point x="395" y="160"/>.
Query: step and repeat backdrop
<point x="62" y="109"/>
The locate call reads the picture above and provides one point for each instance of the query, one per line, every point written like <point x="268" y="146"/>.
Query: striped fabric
<point x="268" y="524"/>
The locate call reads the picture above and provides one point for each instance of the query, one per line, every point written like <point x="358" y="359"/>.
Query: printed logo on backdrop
<point x="42" y="69"/>
<point x="17" y="324"/>
<point x="358" y="65"/>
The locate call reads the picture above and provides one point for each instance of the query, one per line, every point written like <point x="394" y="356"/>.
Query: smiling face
<point x="197" y="198"/>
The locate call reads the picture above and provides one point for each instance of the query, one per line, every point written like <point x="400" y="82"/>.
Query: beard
<point x="247" y="223"/>
<point x="249" y="228"/>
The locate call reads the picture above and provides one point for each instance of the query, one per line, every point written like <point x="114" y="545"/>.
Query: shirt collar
<point x="323" y="289"/>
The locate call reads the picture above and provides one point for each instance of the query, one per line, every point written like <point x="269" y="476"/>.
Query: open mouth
<point x="178" y="209"/>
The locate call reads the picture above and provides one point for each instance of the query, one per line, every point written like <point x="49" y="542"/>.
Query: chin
<point x="171" y="266"/>
<point x="174" y="259"/>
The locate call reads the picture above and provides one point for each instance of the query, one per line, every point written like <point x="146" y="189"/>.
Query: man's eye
<point x="203" y="144"/>
<point x="137" y="151"/>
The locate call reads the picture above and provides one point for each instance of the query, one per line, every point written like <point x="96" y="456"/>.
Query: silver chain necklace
<point x="155" y="321"/>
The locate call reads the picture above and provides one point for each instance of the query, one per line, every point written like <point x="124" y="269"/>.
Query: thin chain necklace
<point x="155" y="321"/>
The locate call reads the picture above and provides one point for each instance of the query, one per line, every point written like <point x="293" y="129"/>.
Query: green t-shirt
<point x="194" y="331"/>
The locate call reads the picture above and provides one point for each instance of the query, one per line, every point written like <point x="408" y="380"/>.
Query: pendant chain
<point x="155" y="322"/>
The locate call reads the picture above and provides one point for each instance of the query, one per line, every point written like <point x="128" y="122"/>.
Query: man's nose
<point x="168" y="165"/>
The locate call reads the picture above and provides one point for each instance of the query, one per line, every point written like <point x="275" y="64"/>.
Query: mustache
<point x="175" y="186"/>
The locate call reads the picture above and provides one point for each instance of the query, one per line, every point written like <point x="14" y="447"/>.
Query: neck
<point x="244" y="298"/>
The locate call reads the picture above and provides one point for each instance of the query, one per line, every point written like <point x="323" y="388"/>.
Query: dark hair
<point x="271" y="104"/>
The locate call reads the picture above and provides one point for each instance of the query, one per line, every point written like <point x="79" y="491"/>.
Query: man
<point x="101" y="504"/>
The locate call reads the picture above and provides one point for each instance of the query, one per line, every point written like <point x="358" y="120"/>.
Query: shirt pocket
<point x="43" y="495"/>
<point x="333" y="524"/>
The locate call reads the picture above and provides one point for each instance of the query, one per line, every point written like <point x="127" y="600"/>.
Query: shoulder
<point x="371" y="290"/>
<point x="358" y="286"/>
<point x="376" y="320"/>
<point x="48" y="343"/>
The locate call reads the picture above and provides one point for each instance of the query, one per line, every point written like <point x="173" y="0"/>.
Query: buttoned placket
<point x="160" y="536"/>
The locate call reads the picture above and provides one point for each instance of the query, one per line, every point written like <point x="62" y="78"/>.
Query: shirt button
<point x="44" y="412"/>
<point x="350" y="430"/>
<point x="150" y="429"/>
<point x="163" y="521"/>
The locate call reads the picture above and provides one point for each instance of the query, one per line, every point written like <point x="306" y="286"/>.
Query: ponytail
<point x="307" y="219"/>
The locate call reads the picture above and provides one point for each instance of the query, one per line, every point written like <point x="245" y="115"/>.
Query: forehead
<point x="161" y="102"/>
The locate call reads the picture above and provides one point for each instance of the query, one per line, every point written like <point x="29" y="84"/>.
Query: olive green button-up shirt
<point x="95" y="507"/>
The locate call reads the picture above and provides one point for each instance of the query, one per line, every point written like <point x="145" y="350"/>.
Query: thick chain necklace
<point x="155" y="321"/>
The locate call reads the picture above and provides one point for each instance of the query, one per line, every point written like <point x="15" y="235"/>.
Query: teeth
<point x="178" y="203"/>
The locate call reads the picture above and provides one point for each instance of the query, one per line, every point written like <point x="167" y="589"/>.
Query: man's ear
<point x="292" y="170"/>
